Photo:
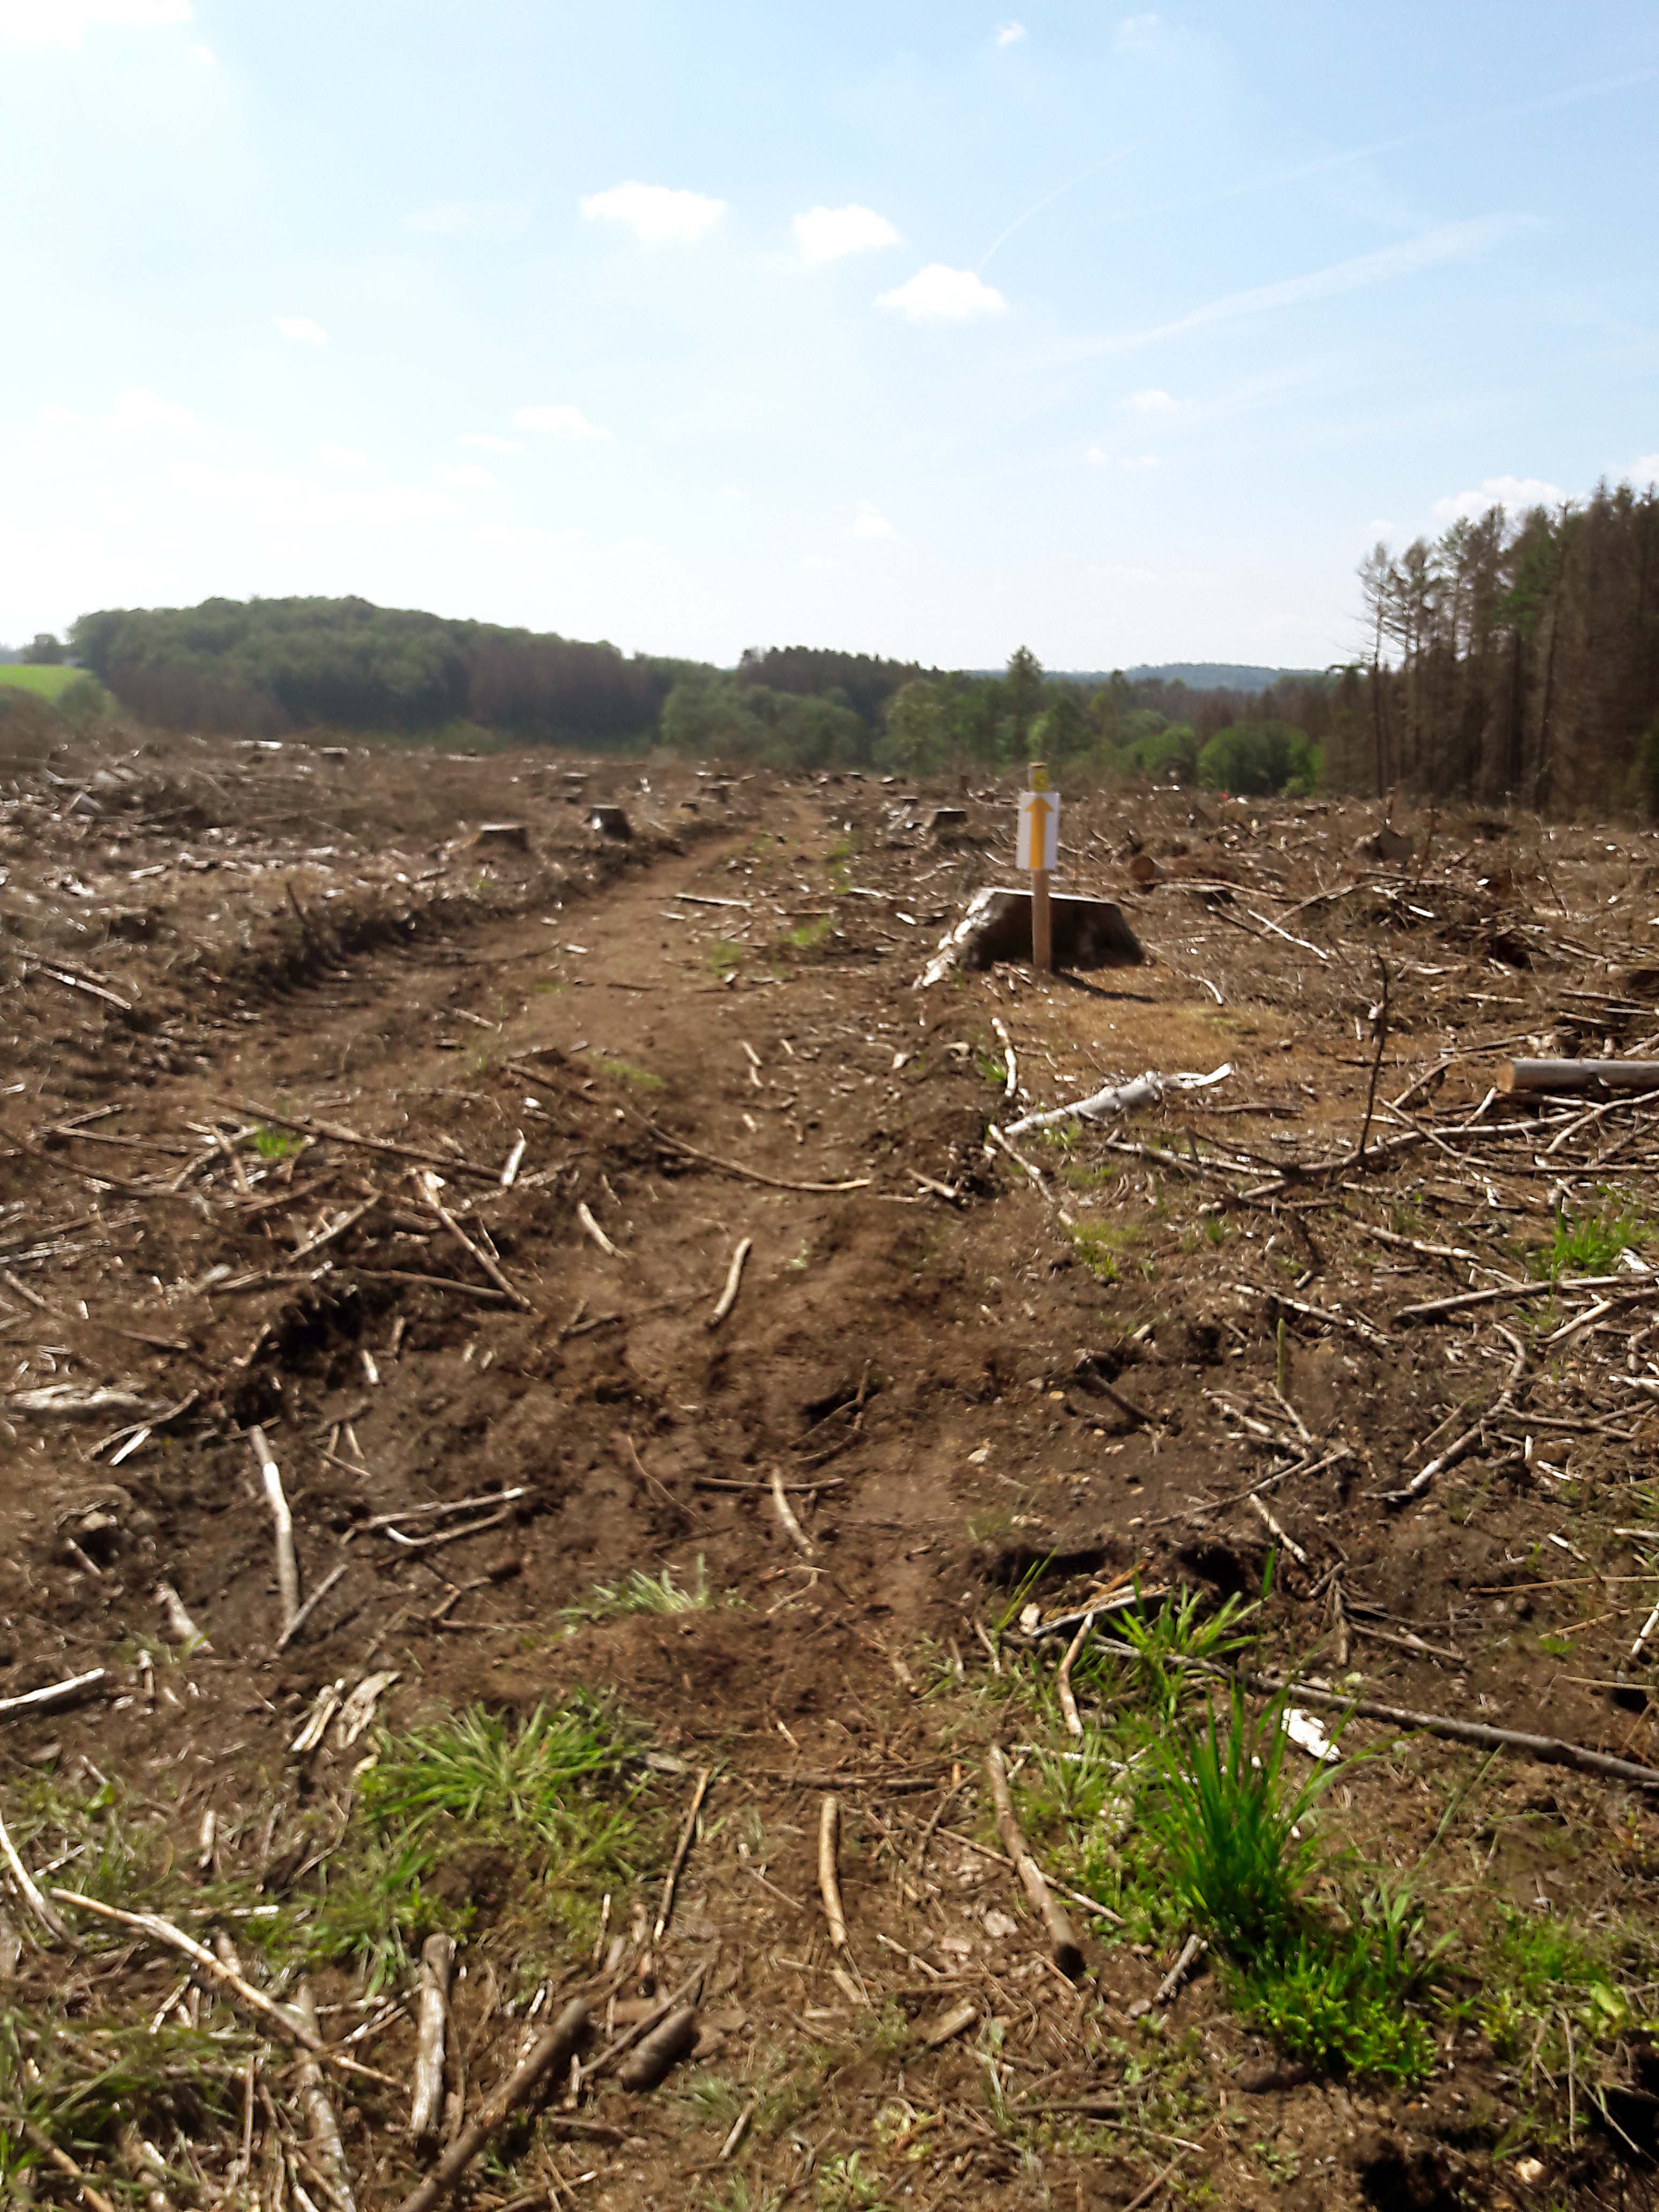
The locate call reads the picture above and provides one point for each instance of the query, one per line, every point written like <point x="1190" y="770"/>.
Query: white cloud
<point x="1645" y="468"/>
<point x="1010" y="34"/>
<point x="1512" y="492"/>
<point x="869" y="521"/>
<point x="826" y="234"/>
<point x="655" y="214"/>
<point x="1098" y="456"/>
<point x="477" y="218"/>
<point x="485" y="442"/>
<point x="1136" y="34"/>
<point x="134" y="411"/>
<point x="466" y="476"/>
<point x="558" y="423"/>
<point x="939" y="294"/>
<point x="300" y="330"/>
<point x="342" y="456"/>
<point x="1151" y="402"/>
<point x="61" y="23"/>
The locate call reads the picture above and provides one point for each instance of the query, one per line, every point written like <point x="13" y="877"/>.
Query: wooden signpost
<point x="1039" y="851"/>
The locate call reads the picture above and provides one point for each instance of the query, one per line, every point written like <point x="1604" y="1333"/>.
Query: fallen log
<point x="1528" y="1078"/>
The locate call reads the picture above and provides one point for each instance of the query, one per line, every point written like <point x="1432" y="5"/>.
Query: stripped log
<point x="1528" y="1078"/>
<point x="1064" y="1948"/>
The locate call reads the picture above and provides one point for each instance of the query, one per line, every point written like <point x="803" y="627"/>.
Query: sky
<point x="909" y="328"/>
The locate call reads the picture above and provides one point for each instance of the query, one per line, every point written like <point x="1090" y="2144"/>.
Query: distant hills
<point x="1201" y="674"/>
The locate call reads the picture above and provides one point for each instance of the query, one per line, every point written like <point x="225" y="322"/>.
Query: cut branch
<point x="1064" y="1949"/>
<point x="728" y="1296"/>
<point x="287" y="1563"/>
<point x="829" y="1871"/>
<point x="426" y="2105"/>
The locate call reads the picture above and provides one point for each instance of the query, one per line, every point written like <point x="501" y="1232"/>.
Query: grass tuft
<point x="276" y="1144"/>
<point x="639" y="1592"/>
<point x="497" y="1779"/>
<point x="1239" y="1855"/>
<point x="1591" y="1245"/>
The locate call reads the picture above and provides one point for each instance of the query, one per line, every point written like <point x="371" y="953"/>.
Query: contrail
<point x="1048" y="200"/>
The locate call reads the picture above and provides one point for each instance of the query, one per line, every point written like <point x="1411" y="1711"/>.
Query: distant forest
<point x="1513" y="657"/>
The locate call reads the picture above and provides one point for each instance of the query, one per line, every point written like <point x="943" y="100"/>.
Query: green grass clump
<point x="1092" y="1241"/>
<point x="1231" y="1828"/>
<point x="1591" y="1245"/>
<point x="1538" y="1971"/>
<point x="275" y="1144"/>
<point x="809" y="936"/>
<point x="639" y="1592"/>
<point x="554" y="1790"/>
<point x="725" y="956"/>
<point x="628" y="1071"/>
<point x="480" y="1769"/>
<point x="1240" y="1854"/>
<point x="78" y="2085"/>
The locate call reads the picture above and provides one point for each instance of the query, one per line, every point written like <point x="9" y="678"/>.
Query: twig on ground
<point x="1063" y="1680"/>
<point x="288" y="1563"/>
<point x="785" y="1513"/>
<point x="728" y="1296"/>
<point x="829" y="1871"/>
<point x="30" y="1889"/>
<point x="749" y="1175"/>
<point x="585" y="1215"/>
<point x="682" y="1852"/>
<point x="310" y="1606"/>
<point x="1064" y="1949"/>
<point x="51" y="1695"/>
<point x="426" y="1183"/>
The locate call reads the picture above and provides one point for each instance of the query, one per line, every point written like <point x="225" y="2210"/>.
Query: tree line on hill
<point x="257" y="667"/>
<point x="1514" y="657"/>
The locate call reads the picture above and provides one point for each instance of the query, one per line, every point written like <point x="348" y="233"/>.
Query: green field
<point x="45" y="683"/>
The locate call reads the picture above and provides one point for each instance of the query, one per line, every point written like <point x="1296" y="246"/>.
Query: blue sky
<point x="913" y="329"/>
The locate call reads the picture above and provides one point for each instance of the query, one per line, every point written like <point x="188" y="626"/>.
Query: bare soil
<point x="987" y="1387"/>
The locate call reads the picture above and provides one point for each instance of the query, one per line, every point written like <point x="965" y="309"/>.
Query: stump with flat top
<point x="1086" y="932"/>
<point x="608" y="822"/>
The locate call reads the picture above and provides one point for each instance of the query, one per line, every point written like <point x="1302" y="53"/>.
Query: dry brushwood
<point x="549" y="2055"/>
